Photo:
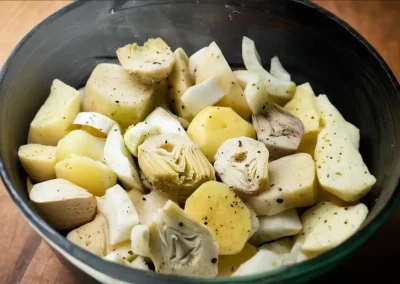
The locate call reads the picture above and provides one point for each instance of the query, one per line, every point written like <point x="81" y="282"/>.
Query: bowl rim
<point x="120" y="272"/>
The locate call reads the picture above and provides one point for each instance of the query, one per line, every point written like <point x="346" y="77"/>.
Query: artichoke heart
<point x="242" y="163"/>
<point x="280" y="131"/>
<point x="174" y="164"/>
<point x="152" y="62"/>
<point x="178" y="244"/>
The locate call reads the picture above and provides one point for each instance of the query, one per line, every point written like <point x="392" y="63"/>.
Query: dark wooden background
<point x="25" y="258"/>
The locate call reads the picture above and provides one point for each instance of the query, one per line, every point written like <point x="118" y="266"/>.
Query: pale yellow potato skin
<point x="214" y="125"/>
<point x="113" y="92"/>
<point x="227" y="264"/>
<point x="214" y="64"/>
<point x="38" y="161"/>
<point x="224" y="213"/>
<point x="81" y="143"/>
<point x="91" y="236"/>
<point x="92" y="175"/>
<point x="56" y="115"/>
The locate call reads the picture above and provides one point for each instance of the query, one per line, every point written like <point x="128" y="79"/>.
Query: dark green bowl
<point x="313" y="44"/>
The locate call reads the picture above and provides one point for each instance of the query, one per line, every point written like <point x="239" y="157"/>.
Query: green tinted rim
<point x="304" y="270"/>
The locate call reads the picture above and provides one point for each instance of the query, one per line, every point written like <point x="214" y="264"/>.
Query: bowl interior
<point x="312" y="44"/>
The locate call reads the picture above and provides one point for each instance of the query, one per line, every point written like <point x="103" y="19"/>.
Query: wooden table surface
<point x="25" y="258"/>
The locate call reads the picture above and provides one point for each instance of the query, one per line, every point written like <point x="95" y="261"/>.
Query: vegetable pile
<point x="184" y="164"/>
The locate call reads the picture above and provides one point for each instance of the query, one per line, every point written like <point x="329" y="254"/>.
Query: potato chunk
<point x="91" y="236"/>
<point x="340" y="167"/>
<point x="219" y="208"/>
<point x="214" y="125"/>
<point x="304" y="107"/>
<point x="56" y="115"/>
<point x="92" y="175"/>
<point x="38" y="161"/>
<point x="81" y="143"/>
<point x="111" y="91"/>
<point x="292" y="184"/>
<point x="227" y="264"/>
<point x="214" y="64"/>
<point x="326" y="226"/>
<point x="63" y="204"/>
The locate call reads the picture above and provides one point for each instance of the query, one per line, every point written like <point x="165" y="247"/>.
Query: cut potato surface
<point x="61" y="203"/>
<point x="224" y="213"/>
<point x="114" y="93"/>
<point x="120" y="213"/>
<point x="304" y="107"/>
<point x="81" y="143"/>
<point x="255" y="223"/>
<point x="292" y="184"/>
<point x="96" y="121"/>
<point x="254" y="90"/>
<point x="91" y="236"/>
<point x="165" y="121"/>
<point x="92" y="175"/>
<point x="151" y="63"/>
<point x="38" y="161"/>
<point x="228" y="264"/>
<point x="55" y="116"/>
<point x="340" y="167"/>
<point x="136" y="135"/>
<point x="276" y="88"/>
<point x="213" y="64"/>
<point x="178" y="82"/>
<point x="354" y="134"/>
<point x="29" y="184"/>
<point x="120" y="161"/>
<point x="147" y="204"/>
<point x="202" y="95"/>
<point x="264" y="260"/>
<point x="194" y="60"/>
<point x="326" y="225"/>
<point x="214" y="125"/>
<point x="286" y="223"/>
<point x="280" y="246"/>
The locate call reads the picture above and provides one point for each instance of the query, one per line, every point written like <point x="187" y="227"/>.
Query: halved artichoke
<point x="174" y="164"/>
<point x="242" y="163"/>
<point x="152" y="62"/>
<point x="178" y="244"/>
<point x="280" y="131"/>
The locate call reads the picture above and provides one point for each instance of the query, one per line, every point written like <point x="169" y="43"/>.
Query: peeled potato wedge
<point x="38" y="161"/>
<point x="219" y="208"/>
<point x="92" y="175"/>
<point x="214" y="64"/>
<point x="120" y="160"/>
<point x="293" y="184"/>
<point x="303" y="106"/>
<point x="120" y="213"/>
<point x="81" y="143"/>
<point x="340" y="167"/>
<point x="228" y="264"/>
<point x="56" y="115"/>
<point x="286" y="223"/>
<point x="178" y="82"/>
<point x="91" y="236"/>
<point x="114" y="93"/>
<point x="95" y="121"/>
<point x="64" y="205"/>
<point x="214" y="125"/>
<point x="147" y="204"/>
<point x="326" y="226"/>
<point x="151" y="63"/>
